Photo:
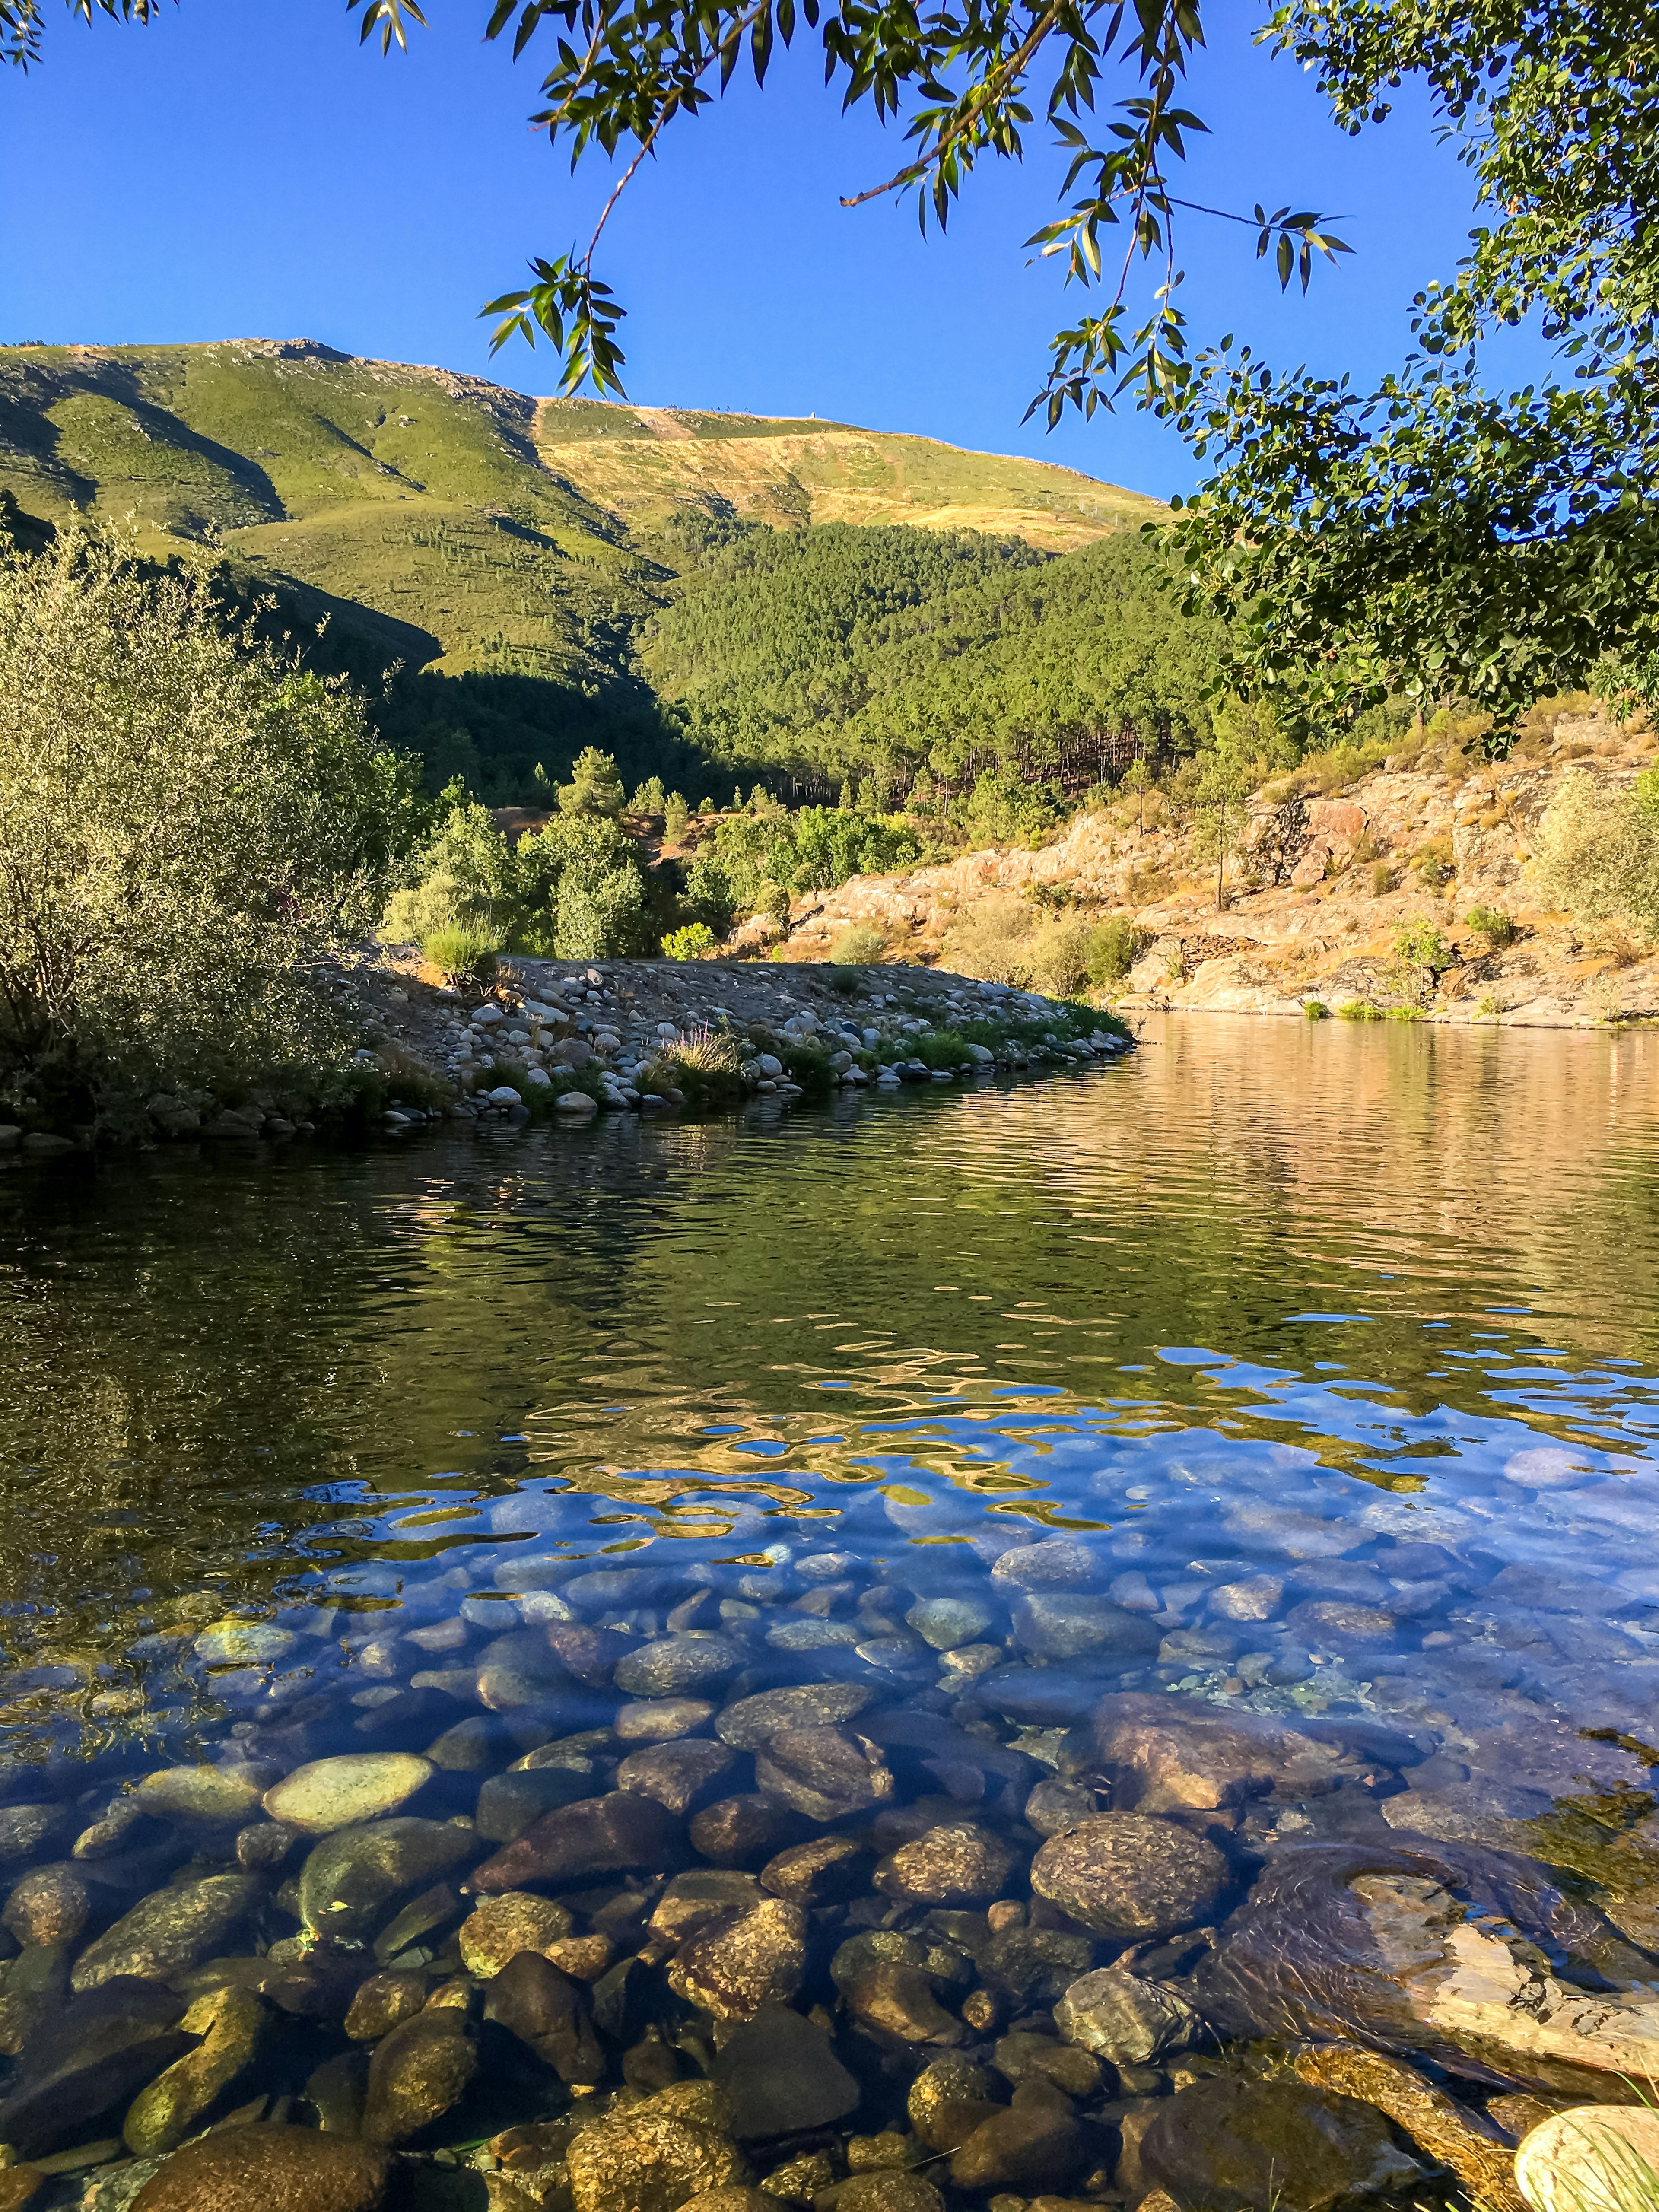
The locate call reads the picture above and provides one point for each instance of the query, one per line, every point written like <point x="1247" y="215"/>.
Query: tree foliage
<point x="880" y="656"/>
<point x="595" y="789"/>
<point x="811" y="849"/>
<point x="189" y="827"/>
<point x="573" y="890"/>
<point x="1220" y="816"/>
<point x="1436" y="535"/>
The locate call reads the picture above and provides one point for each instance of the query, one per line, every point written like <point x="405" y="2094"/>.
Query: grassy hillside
<point x="648" y="463"/>
<point x="504" y="553"/>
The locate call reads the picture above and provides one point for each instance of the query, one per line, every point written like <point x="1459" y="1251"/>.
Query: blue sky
<point x="243" y="169"/>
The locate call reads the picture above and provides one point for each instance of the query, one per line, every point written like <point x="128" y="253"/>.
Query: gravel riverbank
<point x="581" y="1038"/>
<point x="574" y="1039"/>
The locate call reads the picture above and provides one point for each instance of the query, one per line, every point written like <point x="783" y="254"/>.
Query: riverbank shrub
<point x="806" y="1063"/>
<point x="1597" y="850"/>
<point x="861" y="944"/>
<point x="705" y="1063"/>
<point x="1004" y="939"/>
<point x="691" y="943"/>
<point x="1117" y="944"/>
<point x="189" y="829"/>
<point x="1421" y="956"/>
<point x="942" y="1049"/>
<point x="572" y="891"/>
<point x="992" y="940"/>
<point x="1492" y="923"/>
<point x="813" y="849"/>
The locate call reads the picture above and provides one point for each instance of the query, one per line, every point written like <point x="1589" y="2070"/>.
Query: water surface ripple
<point x="1362" y="1319"/>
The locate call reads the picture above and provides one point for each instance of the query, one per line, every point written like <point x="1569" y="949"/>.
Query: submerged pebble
<point x="334" y="1793"/>
<point x="980" y="1870"/>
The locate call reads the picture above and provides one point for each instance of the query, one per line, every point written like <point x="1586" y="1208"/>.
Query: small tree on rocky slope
<point x="1220" y="816"/>
<point x="188" y="828"/>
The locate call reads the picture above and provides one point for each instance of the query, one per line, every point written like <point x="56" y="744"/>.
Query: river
<point x="1357" y="1322"/>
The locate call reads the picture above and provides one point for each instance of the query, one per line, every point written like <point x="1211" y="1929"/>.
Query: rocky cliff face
<point x="1322" y="883"/>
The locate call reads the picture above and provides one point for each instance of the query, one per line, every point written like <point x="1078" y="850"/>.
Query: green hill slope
<point x="505" y="552"/>
<point x="415" y="493"/>
<point x="886" y="653"/>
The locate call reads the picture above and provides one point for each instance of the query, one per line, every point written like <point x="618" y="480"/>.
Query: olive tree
<point x="188" y="828"/>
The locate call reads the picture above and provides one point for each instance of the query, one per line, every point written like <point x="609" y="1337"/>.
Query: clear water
<point x="1398" y="1281"/>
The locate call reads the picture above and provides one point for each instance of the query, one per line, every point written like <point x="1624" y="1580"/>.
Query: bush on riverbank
<point x="572" y="891"/>
<point x="811" y="849"/>
<point x="705" y="1066"/>
<point x="1597" y="852"/>
<point x="1009" y="940"/>
<point x="189" y="828"/>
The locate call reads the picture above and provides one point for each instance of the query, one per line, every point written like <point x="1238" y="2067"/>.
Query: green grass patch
<point x="1069" y="1022"/>
<point x="1358" y="1010"/>
<point x="809" y="1065"/>
<point x="942" y="1049"/>
<point x="705" y="1067"/>
<point x="461" y="955"/>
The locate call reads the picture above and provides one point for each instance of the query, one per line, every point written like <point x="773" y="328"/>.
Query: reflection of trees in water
<point x="191" y="1347"/>
<point x="1468" y="1165"/>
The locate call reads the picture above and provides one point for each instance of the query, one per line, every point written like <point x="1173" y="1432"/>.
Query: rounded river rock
<point x="1124" y="1874"/>
<point x="336" y="1793"/>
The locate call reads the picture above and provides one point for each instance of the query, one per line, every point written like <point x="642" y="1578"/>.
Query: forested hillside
<point x="888" y="657"/>
<point x="712" y="599"/>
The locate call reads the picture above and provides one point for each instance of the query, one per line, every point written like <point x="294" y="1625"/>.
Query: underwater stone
<point x="338" y="1793"/>
<point x="1122" y="1874"/>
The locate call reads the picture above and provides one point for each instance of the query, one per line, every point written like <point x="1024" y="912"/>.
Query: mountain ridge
<point x="506" y="553"/>
<point x="51" y="454"/>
